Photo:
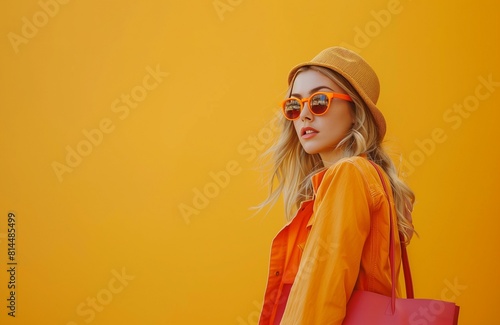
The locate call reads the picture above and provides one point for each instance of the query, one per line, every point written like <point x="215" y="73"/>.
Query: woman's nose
<point x="306" y="113"/>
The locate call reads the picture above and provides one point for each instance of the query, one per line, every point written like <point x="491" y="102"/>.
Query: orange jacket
<point x="335" y="244"/>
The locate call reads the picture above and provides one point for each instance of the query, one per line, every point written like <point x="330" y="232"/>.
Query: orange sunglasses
<point x="319" y="103"/>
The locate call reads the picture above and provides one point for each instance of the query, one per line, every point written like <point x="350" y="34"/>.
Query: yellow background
<point x="223" y="70"/>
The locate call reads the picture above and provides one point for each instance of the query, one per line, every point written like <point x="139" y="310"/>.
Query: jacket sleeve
<point x="331" y="259"/>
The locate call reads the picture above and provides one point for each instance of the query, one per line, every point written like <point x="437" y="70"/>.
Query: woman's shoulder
<point x="354" y="164"/>
<point x="352" y="174"/>
<point x="356" y="171"/>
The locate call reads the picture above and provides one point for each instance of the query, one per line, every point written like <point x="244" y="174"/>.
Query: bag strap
<point x="404" y="253"/>
<point x="406" y="269"/>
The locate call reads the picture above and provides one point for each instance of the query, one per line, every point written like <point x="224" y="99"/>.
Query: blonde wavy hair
<point x="293" y="167"/>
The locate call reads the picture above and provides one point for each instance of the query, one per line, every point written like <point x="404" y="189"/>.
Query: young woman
<point x="337" y="237"/>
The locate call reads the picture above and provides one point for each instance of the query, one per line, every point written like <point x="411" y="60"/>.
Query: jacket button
<point x="277" y="273"/>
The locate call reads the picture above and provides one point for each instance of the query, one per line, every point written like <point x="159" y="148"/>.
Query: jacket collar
<point x="316" y="180"/>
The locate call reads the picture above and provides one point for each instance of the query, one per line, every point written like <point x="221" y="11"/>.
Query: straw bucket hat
<point x="357" y="71"/>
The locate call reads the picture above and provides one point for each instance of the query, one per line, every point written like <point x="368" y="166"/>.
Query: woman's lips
<point x="308" y="132"/>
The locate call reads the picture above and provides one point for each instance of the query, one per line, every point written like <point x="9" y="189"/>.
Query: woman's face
<point x="326" y="131"/>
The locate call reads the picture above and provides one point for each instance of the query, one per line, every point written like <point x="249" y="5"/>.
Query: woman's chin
<point x="310" y="150"/>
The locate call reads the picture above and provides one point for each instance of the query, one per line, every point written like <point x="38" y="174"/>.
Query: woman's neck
<point x="330" y="158"/>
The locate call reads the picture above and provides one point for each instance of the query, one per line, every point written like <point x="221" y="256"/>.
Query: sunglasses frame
<point x="329" y="95"/>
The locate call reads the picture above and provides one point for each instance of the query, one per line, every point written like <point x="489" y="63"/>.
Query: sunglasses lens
<point x="291" y="109"/>
<point x="319" y="104"/>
